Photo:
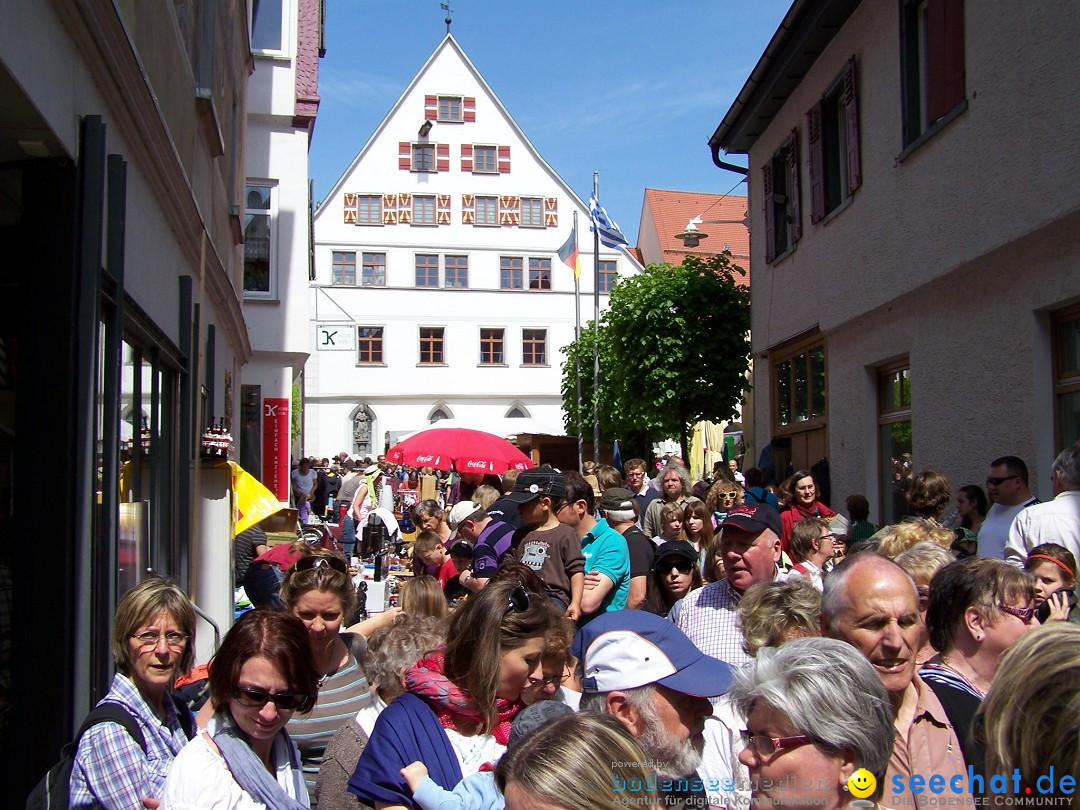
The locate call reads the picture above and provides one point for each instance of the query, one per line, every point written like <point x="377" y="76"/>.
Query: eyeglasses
<point x="997" y="482"/>
<point x="173" y="640"/>
<point x="257" y="698"/>
<point x="683" y="566"/>
<point x="765" y="746"/>
<point x="1023" y="614"/>
<point x="729" y="495"/>
<point x="540" y="683"/>
<point x="518" y="600"/>
<point x="313" y="561"/>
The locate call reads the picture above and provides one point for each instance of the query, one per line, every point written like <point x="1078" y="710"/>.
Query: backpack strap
<point x="108" y="712"/>
<point x="183" y="714"/>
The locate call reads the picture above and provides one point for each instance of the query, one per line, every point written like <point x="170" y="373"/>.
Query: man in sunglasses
<point x="1007" y="486"/>
<point x="642" y="670"/>
<point x="750" y="543"/>
<point x="1058" y="520"/>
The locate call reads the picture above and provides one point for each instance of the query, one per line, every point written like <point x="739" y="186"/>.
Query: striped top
<point x="341" y="696"/>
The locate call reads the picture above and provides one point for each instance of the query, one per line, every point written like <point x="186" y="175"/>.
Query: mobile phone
<point x="1043" y="611"/>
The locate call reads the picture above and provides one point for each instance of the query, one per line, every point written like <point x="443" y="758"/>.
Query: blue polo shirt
<point x="605" y="550"/>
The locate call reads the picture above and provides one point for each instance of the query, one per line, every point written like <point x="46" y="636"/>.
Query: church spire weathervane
<point x="446" y="7"/>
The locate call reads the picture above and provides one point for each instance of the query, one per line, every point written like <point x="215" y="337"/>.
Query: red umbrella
<point x="467" y="450"/>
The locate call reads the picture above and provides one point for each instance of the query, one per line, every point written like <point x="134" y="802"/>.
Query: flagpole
<point x="577" y="355"/>
<point x="596" y="328"/>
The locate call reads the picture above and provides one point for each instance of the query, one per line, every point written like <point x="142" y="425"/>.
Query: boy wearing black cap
<point x="551" y="549"/>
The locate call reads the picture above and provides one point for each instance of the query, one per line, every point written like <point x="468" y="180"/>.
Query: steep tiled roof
<point x="668" y="212"/>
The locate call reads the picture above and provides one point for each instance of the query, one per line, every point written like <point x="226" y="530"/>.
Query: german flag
<point x="569" y="253"/>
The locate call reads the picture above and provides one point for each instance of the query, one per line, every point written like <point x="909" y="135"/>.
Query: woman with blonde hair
<point x="723" y="496"/>
<point x="1030" y="718"/>
<point x="422" y="596"/>
<point x="584" y="760"/>
<point x="771" y="613"/>
<point x="485" y="495"/>
<point x="153" y="642"/>
<point x="896" y="539"/>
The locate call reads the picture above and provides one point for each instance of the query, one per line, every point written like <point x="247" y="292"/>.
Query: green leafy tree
<point x="674" y="349"/>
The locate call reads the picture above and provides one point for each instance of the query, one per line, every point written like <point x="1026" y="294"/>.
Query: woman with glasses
<point x="722" y="497"/>
<point x="431" y="517"/>
<point x="460" y="700"/>
<point x="675" y="573"/>
<point x="319" y="592"/>
<point x="153" y="642"/>
<point x="260" y="677"/>
<point x="815" y="712"/>
<point x="977" y="609"/>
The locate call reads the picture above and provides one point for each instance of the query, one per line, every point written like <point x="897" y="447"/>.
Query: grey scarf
<point x="250" y="773"/>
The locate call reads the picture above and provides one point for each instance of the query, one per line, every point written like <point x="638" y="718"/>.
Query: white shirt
<point x="199" y="779"/>
<point x="994" y="532"/>
<point x="726" y="780"/>
<point x="303" y="483"/>
<point x="474" y="751"/>
<point x="1057" y="521"/>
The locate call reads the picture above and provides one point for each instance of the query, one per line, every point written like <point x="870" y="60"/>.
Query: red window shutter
<point x="944" y="57"/>
<point x="466" y="157"/>
<point x="431" y="107"/>
<point x="405" y="155"/>
<point x="817" y="163"/>
<point x="469" y="109"/>
<point x="770" y="211"/>
<point x="504" y="159"/>
<point x="442" y="157"/>
<point x="851" y="126"/>
<point x="793" y="187"/>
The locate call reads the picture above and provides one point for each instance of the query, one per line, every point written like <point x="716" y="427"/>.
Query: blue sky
<point x="630" y="89"/>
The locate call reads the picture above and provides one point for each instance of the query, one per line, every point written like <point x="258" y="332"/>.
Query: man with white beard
<point x="643" y="670"/>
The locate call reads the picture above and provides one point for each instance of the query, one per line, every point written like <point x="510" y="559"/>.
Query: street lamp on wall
<point x="425" y="128"/>
<point x="692" y="237"/>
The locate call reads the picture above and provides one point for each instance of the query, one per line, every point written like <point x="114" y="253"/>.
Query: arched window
<point x="436" y="415"/>
<point x="517" y="411"/>
<point x="362" y="430"/>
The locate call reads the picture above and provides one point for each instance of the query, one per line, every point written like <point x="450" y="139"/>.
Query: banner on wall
<point x="276" y="446"/>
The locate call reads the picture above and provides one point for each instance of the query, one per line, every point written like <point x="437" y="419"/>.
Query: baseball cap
<point x="531" y="484"/>
<point x="533" y="718"/>
<point x="625" y="649"/>
<point x="461" y="510"/>
<point x="374" y="469"/>
<point x="754" y="518"/>
<point x="616" y="499"/>
<point x="676" y="548"/>
<point x="462" y="548"/>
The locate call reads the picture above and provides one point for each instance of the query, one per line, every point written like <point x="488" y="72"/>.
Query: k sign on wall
<point x="335" y="337"/>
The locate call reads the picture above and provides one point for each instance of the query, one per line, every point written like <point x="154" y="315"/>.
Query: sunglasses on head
<point x="257" y="698"/>
<point x="518" y="600"/>
<point x="312" y="562"/>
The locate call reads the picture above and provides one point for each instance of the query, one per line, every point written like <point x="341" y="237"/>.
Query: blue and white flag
<point x="602" y="224"/>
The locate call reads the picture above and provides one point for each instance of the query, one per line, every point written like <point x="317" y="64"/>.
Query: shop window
<point x="931" y="64"/>
<point x="1066" y="329"/>
<point x="344" y="269"/>
<point x="431" y="345"/>
<point x="894" y="439"/>
<point x="534" y="347"/>
<point x="259" y="235"/>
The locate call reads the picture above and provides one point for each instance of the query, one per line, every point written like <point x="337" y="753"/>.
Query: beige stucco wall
<point x="951" y="256"/>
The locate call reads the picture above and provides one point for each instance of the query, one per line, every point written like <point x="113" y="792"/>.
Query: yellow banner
<point x="254" y="502"/>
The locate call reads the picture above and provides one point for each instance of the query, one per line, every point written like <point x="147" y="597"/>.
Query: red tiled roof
<point x="670" y="211"/>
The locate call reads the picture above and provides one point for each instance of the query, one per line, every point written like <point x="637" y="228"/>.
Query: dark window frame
<point x="534" y="347"/>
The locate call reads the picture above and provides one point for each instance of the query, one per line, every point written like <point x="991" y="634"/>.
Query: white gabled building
<point x="439" y="292"/>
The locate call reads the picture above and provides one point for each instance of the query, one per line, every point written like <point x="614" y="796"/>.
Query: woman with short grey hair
<point x="815" y="713"/>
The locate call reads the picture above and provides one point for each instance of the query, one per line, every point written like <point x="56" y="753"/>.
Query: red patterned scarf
<point x="453" y="705"/>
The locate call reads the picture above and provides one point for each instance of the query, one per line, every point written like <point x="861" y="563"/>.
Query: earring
<point x="979" y="637"/>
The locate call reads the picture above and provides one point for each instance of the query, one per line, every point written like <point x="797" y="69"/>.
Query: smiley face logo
<point x="862" y="783"/>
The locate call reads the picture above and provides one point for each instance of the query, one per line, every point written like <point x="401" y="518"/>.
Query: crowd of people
<point x="605" y="638"/>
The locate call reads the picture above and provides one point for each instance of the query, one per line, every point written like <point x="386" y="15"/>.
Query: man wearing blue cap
<point x="643" y="670"/>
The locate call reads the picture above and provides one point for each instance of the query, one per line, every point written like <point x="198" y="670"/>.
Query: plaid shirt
<point x="110" y="769"/>
<point x="710" y="618"/>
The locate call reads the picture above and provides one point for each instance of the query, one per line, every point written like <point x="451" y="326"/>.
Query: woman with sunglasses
<point x="815" y="712"/>
<point x="261" y="675"/>
<point x="153" y="642"/>
<point x="319" y="592"/>
<point x="675" y="573"/>
<point x="460" y="700"/>
<point x="722" y="497"/>
<point x="978" y="607"/>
